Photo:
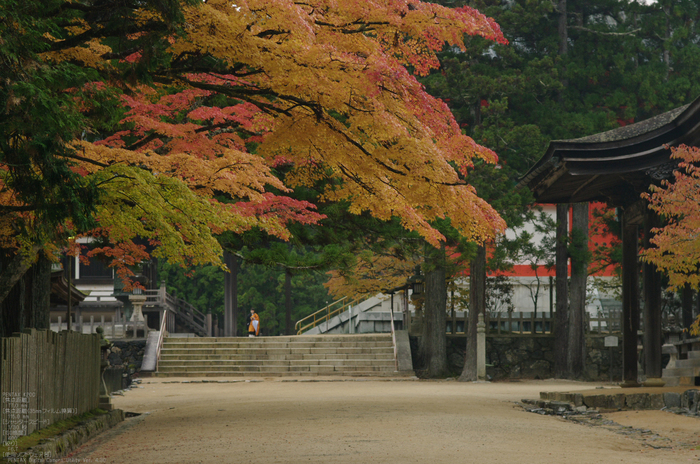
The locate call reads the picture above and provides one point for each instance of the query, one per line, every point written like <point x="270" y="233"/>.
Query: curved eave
<point x="59" y="290"/>
<point x="614" y="166"/>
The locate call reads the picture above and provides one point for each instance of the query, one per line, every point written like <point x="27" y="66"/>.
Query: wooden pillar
<point x="576" y="352"/>
<point x="630" y="293"/>
<point x="652" y="310"/>
<point x="561" y="322"/>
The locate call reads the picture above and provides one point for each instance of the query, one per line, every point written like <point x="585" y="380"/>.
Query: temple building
<point x="616" y="167"/>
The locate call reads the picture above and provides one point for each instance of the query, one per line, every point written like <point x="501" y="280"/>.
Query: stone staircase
<point x="684" y="367"/>
<point x="320" y="355"/>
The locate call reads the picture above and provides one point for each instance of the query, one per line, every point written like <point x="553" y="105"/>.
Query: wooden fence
<point x="46" y="377"/>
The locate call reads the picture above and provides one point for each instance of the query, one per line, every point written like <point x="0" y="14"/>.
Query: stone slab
<point x="150" y="352"/>
<point x="403" y="351"/>
<point x="629" y="398"/>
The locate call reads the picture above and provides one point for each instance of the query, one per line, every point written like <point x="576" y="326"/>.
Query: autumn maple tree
<point x="676" y="249"/>
<point x="676" y="245"/>
<point x="180" y="111"/>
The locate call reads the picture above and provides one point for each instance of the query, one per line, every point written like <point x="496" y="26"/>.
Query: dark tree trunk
<point x="433" y="345"/>
<point x="289" y="329"/>
<point x="231" y="295"/>
<point x="477" y="305"/>
<point x="561" y="324"/>
<point x="576" y="360"/>
<point x="39" y="315"/>
<point x="562" y="28"/>
<point x="687" y="305"/>
<point x="667" y="37"/>
<point x="234" y="295"/>
<point x="27" y="302"/>
<point x="13" y="266"/>
<point x="563" y="45"/>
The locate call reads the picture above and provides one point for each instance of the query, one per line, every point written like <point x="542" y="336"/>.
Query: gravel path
<point x="277" y="421"/>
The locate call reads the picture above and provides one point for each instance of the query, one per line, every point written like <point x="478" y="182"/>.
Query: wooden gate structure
<point x="616" y="167"/>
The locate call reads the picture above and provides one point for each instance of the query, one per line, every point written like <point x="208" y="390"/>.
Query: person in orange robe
<point x="253" y="324"/>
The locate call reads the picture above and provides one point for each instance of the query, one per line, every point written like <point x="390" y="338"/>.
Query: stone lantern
<point x="138" y="299"/>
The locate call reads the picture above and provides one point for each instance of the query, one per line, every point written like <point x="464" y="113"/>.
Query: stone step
<point x="281" y="351"/>
<point x="679" y="381"/>
<point x="267" y="357"/>
<point x="286" y="339"/>
<point x="378" y="374"/>
<point x="271" y="368"/>
<point x="693" y="354"/>
<point x="684" y="363"/>
<point x="297" y="355"/>
<point x="681" y="372"/>
<point x="271" y="345"/>
<point x="279" y="362"/>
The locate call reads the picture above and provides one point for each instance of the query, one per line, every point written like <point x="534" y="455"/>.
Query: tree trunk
<point x="231" y="294"/>
<point x="477" y="305"/>
<point x="687" y="305"/>
<point x="433" y="345"/>
<point x="289" y="329"/>
<point x="561" y="324"/>
<point x="236" y="268"/>
<point x="13" y="269"/>
<point x="562" y="28"/>
<point x="667" y="37"/>
<point x="576" y="361"/>
<point x="27" y="302"/>
<point x="563" y="45"/>
<point x="39" y="317"/>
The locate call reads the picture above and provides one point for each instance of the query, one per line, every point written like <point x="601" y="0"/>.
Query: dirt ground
<point x="282" y="421"/>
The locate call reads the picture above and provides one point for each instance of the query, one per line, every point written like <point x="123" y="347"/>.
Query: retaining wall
<point x="533" y="357"/>
<point x="128" y="355"/>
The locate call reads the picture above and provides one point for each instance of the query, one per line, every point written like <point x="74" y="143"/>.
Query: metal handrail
<point x="323" y="315"/>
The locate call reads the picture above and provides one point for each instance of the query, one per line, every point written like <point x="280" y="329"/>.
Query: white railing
<point x="113" y="328"/>
<point x="161" y="335"/>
